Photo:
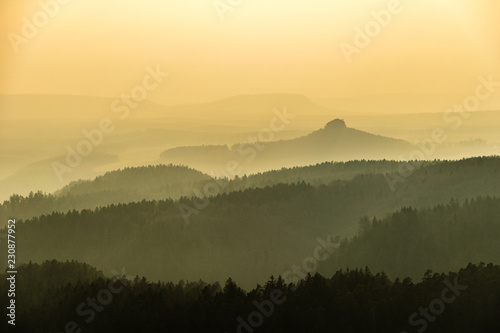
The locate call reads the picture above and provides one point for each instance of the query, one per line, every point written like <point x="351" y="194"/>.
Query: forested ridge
<point x="172" y="181"/>
<point x="268" y="229"/>
<point x="409" y="241"/>
<point x="400" y="183"/>
<point x="438" y="215"/>
<point x="120" y="186"/>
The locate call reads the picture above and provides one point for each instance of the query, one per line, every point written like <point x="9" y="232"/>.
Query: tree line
<point x="347" y="301"/>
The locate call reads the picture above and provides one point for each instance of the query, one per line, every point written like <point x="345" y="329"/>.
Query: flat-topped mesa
<point x="336" y="124"/>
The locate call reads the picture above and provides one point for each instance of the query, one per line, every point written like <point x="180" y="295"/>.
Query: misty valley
<point x="257" y="166"/>
<point x="229" y="248"/>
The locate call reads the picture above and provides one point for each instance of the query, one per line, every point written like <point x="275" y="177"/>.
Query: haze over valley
<point x="250" y="166"/>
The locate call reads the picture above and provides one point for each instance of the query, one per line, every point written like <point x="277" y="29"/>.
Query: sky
<point x="103" y="47"/>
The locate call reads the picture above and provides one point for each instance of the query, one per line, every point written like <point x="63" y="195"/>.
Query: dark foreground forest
<point x="74" y="297"/>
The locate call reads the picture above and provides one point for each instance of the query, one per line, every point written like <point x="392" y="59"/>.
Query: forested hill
<point x="120" y="186"/>
<point x="171" y="181"/>
<point x="410" y="241"/>
<point x="426" y="183"/>
<point x="229" y="233"/>
<point x="355" y="301"/>
<point x="148" y="182"/>
<point x="318" y="174"/>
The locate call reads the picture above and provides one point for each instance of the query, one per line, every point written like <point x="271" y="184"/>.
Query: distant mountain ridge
<point x="334" y="142"/>
<point x="26" y="106"/>
<point x="253" y="106"/>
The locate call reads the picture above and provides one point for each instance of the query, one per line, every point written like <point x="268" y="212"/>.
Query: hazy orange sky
<point x="101" y="47"/>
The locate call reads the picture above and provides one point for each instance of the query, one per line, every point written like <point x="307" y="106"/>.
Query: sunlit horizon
<point x="432" y="47"/>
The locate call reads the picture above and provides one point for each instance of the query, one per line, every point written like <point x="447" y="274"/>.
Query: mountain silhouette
<point x="334" y="142"/>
